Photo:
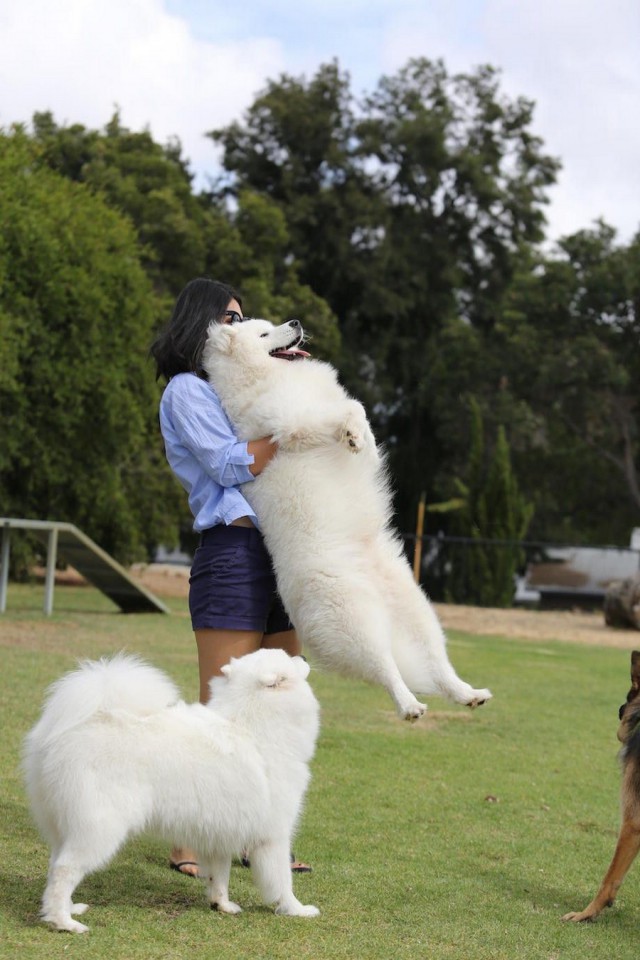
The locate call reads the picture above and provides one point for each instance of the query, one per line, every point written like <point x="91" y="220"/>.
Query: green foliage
<point x="402" y="229"/>
<point x="76" y="315"/>
<point x="182" y="235"/>
<point x="253" y="248"/>
<point x="568" y="346"/>
<point x="483" y="574"/>
<point x="558" y="370"/>
<point x="403" y="213"/>
<point x="146" y="182"/>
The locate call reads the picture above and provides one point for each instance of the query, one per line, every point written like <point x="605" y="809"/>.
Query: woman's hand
<point x="262" y="450"/>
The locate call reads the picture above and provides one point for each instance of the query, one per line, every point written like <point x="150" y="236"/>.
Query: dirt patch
<point x="165" y="579"/>
<point x="572" y="626"/>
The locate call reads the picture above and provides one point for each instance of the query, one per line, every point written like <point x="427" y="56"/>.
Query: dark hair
<point x="178" y="348"/>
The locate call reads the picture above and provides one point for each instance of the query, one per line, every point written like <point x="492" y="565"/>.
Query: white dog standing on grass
<point x="116" y="753"/>
<point x="324" y="506"/>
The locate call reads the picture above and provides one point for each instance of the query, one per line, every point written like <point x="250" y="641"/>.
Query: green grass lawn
<point x="467" y="835"/>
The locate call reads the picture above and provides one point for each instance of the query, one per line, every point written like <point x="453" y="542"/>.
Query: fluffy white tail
<point x="119" y="683"/>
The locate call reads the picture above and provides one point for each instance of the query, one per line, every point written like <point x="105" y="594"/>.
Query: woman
<point x="234" y="605"/>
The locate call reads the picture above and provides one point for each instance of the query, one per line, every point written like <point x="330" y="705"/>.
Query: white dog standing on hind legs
<point x="324" y="507"/>
<point x="116" y="753"/>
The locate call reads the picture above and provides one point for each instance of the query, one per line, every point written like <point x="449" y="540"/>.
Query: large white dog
<point x="116" y="752"/>
<point x="324" y="506"/>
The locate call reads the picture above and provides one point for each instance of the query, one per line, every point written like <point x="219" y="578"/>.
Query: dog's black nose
<point x="294" y="323"/>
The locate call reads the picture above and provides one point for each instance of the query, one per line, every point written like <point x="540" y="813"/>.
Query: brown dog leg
<point x="625" y="853"/>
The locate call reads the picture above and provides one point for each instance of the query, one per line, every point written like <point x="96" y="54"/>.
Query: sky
<point x="184" y="67"/>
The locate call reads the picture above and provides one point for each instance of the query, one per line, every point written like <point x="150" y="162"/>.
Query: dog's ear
<point x="302" y="667"/>
<point x="635" y="669"/>
<point x="227" y="669"/>
<point x="221" y="337"/>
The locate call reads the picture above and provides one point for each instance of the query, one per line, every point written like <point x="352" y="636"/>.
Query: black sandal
<point x="184" y="863"/>
<point x="296" y="867"/>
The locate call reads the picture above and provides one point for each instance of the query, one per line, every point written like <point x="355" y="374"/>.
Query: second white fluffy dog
<point x="116" y="752"/>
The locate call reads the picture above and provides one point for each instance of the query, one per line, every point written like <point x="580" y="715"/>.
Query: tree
<point x="483" y="573"/>
<point x="568" y="344"/>
<point x="147" y="182"/>
<point x="253" y="249"/>
<point x="558" y="370"/>
<point x="403" y="214"/>
<point x="79" y="402"/>
<point x="183" y="235"/>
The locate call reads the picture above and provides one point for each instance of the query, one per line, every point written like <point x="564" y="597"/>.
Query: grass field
<point x="467" y="835"/>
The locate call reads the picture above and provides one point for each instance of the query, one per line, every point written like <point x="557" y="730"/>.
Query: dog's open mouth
<point x="292" y="352"/>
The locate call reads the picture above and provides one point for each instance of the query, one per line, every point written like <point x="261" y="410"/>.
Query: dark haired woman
<point x="234" y="605"/>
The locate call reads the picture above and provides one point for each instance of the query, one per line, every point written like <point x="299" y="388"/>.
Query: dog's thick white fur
<point x="116" y="752"/>
<point x="324" y="506"/>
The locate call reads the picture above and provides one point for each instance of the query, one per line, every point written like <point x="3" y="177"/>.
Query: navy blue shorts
<point x="232" y="584"/>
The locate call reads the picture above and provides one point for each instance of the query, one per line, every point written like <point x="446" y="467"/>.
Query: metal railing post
<point x="4" y="569"/>
<point x="52" y="551"/>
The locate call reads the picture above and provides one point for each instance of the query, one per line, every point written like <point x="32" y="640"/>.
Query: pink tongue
<point x="291" y="354"/>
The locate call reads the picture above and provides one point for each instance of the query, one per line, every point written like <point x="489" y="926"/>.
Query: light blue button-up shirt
<point x="203" y="452"/>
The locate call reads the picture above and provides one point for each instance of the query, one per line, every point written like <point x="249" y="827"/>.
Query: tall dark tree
<point x="79" y="404"/>
<point x="559" y="370"/>
<point x="492" y="509"/>
<point x="148" y="182"/>
<point x="405" y="211"/>
<point x="181" y="234"/>
<point x="298" y="146"/>
<point x="571" y="342"/>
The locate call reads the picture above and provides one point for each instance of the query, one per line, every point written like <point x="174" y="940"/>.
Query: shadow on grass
<point x="146" y="884"/>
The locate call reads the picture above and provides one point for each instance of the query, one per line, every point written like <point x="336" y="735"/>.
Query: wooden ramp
<point x="85" y="556"/>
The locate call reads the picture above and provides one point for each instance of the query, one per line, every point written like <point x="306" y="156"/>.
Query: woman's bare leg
<point x="215" y="648"/>
<point x="287" y="640"/>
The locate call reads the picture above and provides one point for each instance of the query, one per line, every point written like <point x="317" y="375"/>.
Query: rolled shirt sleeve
<point x="201" y="425"/>
<point x="204" y="453"/>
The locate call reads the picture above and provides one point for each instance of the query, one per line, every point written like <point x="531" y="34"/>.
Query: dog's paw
<point x="585" y="916"/>
<point x="297" y="910"/>
<point x="412" y="711"/>
<point x="309" y="911"/>
<point x="78" y="908"/>
<point x="226" y="906"/>
<point x="351" y="436"/>
<point x="353" y="429"/>
<point x="478" y="697"/>
<point x="67" y="925"/>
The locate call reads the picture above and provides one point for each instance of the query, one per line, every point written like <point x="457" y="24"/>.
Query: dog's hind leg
<point x="76" y="857"/>
<point x="57" y="906"/>
<point x="625" y="853"/>
<point x="216" y="870"/>
<point x="271" y="869"/>
<point x="419" y="644"/>
<point x="445" y="678"/>
<point x="383" y="670"/>
<point x="345" y="622"/>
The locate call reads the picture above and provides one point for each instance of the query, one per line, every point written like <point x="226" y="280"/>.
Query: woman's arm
<point x="262" y="451"/>
<point x="192" y="419"/>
